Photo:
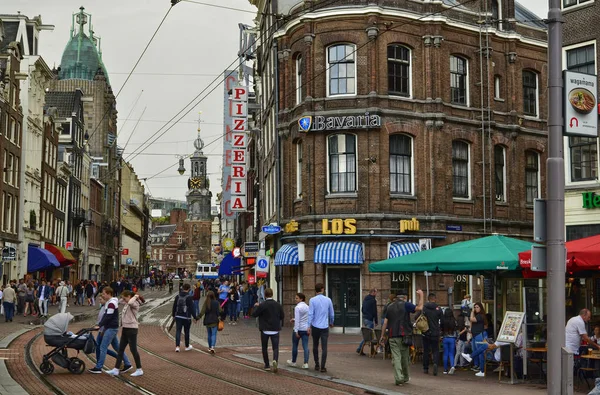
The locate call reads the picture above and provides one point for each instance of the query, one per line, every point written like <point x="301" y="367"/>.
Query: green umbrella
<point x="491" y="253"/>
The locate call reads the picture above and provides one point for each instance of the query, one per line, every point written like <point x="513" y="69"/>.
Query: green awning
<point x="491" y="253"/>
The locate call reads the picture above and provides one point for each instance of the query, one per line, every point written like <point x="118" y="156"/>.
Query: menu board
<point x="511" y="326"/>
<point x="488" y="289"/>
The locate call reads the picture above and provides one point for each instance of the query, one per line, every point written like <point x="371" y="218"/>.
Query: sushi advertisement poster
<point x="581" y="104"/>
<point x="511" y="326"/>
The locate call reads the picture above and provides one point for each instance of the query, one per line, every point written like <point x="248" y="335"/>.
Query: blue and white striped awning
<point x="287" y="255"/>
<point x="339" y="253"/>
<point x="400" y="249"/>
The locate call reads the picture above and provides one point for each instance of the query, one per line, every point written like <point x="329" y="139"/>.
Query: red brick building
<point x="402" y="125"/>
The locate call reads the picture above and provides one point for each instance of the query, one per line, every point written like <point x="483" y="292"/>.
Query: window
<point x="180" y="239"/>
<point x="299" y="70"/>
<point x="401" y="282"/>
<point x="500" y="173"/>
<point x="530" y="96"/>
<point x="299" y="170"/>
<point x="400" y="164"/>
<point x="458" y="80"/>
<point x="570" y="3"/>
<point x="341" y="70"/>
<point x="342" y="163"/>
<point x="584" y="158"/>
<point x="461" y="287"/>
<point x="497" y="81"/>
<point x="582" y="59"/>
<point x="460" y="169"/>
<point x="398" y="60"/>
<point x="532" y="167"/>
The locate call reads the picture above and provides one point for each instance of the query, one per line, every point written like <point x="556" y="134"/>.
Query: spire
<point x="199" y="144"/>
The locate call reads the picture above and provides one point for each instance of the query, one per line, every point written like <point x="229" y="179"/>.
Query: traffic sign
<point x="129" y="261"/>
<point x="262" y="264"/>
<point x="125" y="251"/>
<point x="271" y="229"/>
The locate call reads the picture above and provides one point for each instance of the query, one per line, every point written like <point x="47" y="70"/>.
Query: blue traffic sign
<point x="271" y="229"/>
<point x="129" y="261"/>
<point x="262" y="263"/>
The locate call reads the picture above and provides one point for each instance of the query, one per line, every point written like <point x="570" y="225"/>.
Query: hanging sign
<point x="262" y="264"/>
<point x="581" y="110"/>
<point x="239" y="129"/>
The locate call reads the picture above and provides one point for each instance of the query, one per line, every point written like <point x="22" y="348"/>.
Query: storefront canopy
<point x="40" y="259"/>
<point x="63" y="256"/>
<point x="401" y="249"/>
<point x="491" y="253"/>
<point x="287" y="255"/>
<point x="339" y="253"/>
<point x="582" y="254"/>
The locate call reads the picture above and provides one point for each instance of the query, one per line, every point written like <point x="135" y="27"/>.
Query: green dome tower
<point x="82" y="57"/>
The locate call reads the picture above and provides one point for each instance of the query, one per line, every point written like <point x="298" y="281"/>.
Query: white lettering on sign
<point x="320" y="122"/>
<point x="239" y="140"/>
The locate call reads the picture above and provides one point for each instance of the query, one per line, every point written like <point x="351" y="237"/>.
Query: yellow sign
<point x="291" y="227"/>
<point x="409" y="225"/>
<point x="228" y="244"/>
<point x="339" y="226"/>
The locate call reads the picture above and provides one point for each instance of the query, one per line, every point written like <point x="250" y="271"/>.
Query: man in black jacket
<point x="369" y="313"/>
<point x="270" y="319"/>
<point x="431" y="338"/>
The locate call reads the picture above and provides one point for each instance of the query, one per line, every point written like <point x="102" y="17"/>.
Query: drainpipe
<point x="278" y="269"/>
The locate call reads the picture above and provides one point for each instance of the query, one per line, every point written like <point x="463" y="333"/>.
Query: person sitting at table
<point x="575" y="332"/>
<point x="518" y="360"/>
<point x="596" y="336"/>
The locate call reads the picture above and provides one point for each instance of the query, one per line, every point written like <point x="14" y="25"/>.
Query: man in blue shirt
<point x="320" y="319"/>
<point x="223" y="293"/>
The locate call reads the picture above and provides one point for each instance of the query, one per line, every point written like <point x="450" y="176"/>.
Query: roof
<point x="10" y="34"/>
<point x="528" y="17"/>
<point x="163" y="230"/>
<point x="65" y="102"/>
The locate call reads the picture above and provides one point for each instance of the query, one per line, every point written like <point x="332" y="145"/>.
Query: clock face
<point x="195" y="183"/>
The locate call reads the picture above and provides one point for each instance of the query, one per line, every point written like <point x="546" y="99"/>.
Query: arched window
<point x="500" y="172"/>
<point x="342" y="163"/>
<point x="341" y="70"/>
<point x="460" y="169"/>
<point x="532" y="176"/>
<point x="299" y="71"/>
<point x="400" y="164"/>
<point x="398" y="60"/>
<point x="530" y="93"/>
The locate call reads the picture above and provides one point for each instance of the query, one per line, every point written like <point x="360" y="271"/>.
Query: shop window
<point x="459" y="80"/>
<point x="341" y="70"/>
<point x="530" y="93"/>
<point x="400" y="281"/>
<point x="342" y="163"/>
<point x="532" y="176"/>
<point x="401" y="164"/>
<point x="575" y="232"/>
<point x="460" y="288"/>
<point x="584" y="158"/>
<point x="398" y="61"/>
<point x="500" y="173"/>
<point x="460" y="169"/>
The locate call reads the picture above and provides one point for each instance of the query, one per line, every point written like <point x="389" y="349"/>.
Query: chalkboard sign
<point x="488" y="289"/>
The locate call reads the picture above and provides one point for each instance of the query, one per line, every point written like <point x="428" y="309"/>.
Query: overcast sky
<point x="195" y="43"/>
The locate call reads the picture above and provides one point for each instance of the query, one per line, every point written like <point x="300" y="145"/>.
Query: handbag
<point x="422" y="324"/>
<point x="221" y="326"/>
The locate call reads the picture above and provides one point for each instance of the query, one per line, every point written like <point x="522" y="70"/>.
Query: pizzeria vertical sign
<point x="581" y="104"/>
<point x="239" y="135"/>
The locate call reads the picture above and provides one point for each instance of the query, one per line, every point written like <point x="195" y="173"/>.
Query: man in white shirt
<point x="63" y="293"/>
<point x="575" y="332"/>
<point x="300" y="322"/>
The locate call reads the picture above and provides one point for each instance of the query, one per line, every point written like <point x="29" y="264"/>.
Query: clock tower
<point x="198" y="195"/>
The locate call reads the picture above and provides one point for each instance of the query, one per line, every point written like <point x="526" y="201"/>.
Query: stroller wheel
<point x="46" y="367"/>
<point x="76" y="366"/>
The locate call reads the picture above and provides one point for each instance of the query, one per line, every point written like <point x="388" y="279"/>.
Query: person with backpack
<point x="183" y="311"/>
<point x="431" y="337"/>
<point x="270" y="320"/>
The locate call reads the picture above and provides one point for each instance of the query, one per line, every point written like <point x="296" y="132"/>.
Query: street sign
<point x="125" y="251"/>
<point x="581" y="110"/>
<point x="69" y="245"/>
<point x="129" y="261"/>
<point x="9" y="254"/>
<point x="271" y="229"/>
<point x="251" y="279"/>
<point x="251" y="249"/>
<point x="262" y="264"/>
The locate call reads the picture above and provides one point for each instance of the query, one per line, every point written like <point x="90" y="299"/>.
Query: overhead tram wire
<point x="130" y="111"/>
<point x="134" y="129"/>
<point x="327" y="68"/>
<point x="133" y="69"/>
<point x="268" y="31"/>
<point x="217" y="79"/>
<point x="225" y="7"/>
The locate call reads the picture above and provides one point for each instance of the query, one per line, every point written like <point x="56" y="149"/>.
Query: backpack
<point x="181" y="309"/>
<point x="422" y="324"/>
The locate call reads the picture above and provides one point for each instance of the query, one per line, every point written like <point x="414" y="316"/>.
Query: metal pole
<point x="555" y="208"/>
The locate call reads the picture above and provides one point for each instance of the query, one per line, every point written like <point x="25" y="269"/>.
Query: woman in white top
<point x="300" y="322"/>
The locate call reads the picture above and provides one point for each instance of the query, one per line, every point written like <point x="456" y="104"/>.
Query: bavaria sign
<point x="271" y="229"/>
<point x="319" y="122"/>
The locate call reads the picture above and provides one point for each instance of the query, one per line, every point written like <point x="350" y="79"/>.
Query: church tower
<point x="199" y="220"/>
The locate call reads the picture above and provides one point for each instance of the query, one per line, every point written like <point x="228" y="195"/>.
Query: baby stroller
<point x="56" y="335"/>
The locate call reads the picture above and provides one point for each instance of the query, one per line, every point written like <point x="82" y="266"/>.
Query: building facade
<point x="133" y="256"/>
<point x="399" y="128"/>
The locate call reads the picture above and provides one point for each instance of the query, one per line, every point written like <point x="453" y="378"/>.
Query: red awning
<point x="64" y="257"/>
<point x="582" y="254"/>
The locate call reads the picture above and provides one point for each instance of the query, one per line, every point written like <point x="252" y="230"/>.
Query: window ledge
<point x="341" y="195"/>
<point x="531" y="117"/>
<point x="342" y="96"/>
<point x="581" y="184"/>
<point x="499" y="99"/>
<point x="402" y="196"/>
<point x="463" y="200"/>
<point x="459" y="105"/>
<point x="500" y="203"/>
<point x="297" y="200"/>
<point x="529" y="205"/>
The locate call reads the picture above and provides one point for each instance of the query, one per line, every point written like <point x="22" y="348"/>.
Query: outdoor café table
<point x="591" y="364"/>
<point x="538" y="361"/>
